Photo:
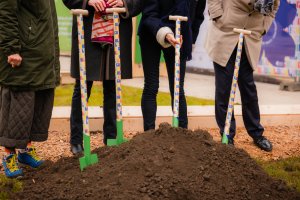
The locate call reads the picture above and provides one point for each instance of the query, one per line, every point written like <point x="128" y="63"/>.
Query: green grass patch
<point x="131" y="97"/>
<point x="8" y="187"/>
<point x="287" y="170"/>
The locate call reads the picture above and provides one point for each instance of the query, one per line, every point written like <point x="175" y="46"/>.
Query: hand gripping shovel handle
<point x="88" y="159"/>
<point x="230" y="108"/>
<point x="118" y="78"/>
<point x="178" y="19"/>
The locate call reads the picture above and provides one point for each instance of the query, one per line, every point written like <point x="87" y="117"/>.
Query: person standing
<point x="221" y="45"/>
<point x="156" y="33"/>
<point x="29" y="72"/>
<point x="100" y="66"/>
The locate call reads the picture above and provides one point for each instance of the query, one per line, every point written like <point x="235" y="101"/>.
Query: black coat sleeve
<point x="151" y="16"/>
<point x="197" y="12"/>
<point x="77" y="4"/>
<point x="133" y="7"/>
<point x="9" y="31"/>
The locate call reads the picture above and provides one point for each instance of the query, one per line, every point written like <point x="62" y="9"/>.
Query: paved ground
<point x="203" y="86"/>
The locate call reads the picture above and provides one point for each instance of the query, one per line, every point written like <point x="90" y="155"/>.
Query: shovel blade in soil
<point x="87" y="161"/>
<point x="88" y="158"/>
<point x="224" y="139"/>
<point x="120" y="136"/>
<point x="175" y="122"/>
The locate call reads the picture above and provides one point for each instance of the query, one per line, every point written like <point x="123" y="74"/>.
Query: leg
<point x="151" y="52"/>
<point x="169" y="55"/>
<point x="16" y="115"/>
<point x="109" y="110"/>
<point x="76" y="113"/>
<point x="223" y="80"/>
<point x="43" y="107"/>
<point x="250" y="108"/>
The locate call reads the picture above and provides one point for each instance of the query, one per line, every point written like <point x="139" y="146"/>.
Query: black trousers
<point x="151" y="52"/>
<point x="109" y="111"/>
<point x="250" y="108"/>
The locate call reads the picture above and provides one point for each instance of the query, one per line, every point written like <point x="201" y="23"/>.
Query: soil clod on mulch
<point x="167" y="163"/>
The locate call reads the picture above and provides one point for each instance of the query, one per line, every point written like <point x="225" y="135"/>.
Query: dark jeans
<point x="151" y="52"/>
<point x="250" y="108"/>
<point x="109" y="111"/>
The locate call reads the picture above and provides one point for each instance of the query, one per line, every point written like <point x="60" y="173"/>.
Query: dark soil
<point x="164" y="164"/>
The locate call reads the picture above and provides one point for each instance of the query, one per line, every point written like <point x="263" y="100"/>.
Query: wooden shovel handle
<point x="117" y="10"/>
<point x="79" y="12"/>
<point x="175" y="17"/>
<point x="245" y="32"/>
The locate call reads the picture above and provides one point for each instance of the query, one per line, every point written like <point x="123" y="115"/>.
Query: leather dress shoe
<point x="76" y="148"/>
<point x="263" y="143"/>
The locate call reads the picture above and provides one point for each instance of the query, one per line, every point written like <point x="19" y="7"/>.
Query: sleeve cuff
<point x="161" y="36"/>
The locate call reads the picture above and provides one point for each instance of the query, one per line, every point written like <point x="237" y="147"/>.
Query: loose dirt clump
<point x="167" y="163"/>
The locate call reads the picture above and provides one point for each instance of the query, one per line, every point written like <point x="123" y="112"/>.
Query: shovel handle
<point x="117" y="10"/>
<point x="177" y="17"/>
<point x="79" y="12"/>
<point x="245" y="32"/>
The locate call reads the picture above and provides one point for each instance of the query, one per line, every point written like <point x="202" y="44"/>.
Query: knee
<point x="151" y="89"/>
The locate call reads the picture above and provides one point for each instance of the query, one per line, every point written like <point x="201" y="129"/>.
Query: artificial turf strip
<point x="8" y="187"/>
<point x="287" y="170"/>
<point x="131" y="97"/>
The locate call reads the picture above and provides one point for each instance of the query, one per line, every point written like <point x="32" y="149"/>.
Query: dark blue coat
<point x="156" y="15"/>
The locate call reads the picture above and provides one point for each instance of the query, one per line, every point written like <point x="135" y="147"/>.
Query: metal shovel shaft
<point x="177" y="75"/>
<point x="88" y="158"/>
<point x="233" y="89"/>
<point x="118" y="78"/>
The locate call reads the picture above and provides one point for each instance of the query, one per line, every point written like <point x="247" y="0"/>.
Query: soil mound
<point x="167" y="163"/>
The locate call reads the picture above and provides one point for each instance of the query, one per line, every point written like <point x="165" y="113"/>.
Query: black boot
<point x="76" y="148"/>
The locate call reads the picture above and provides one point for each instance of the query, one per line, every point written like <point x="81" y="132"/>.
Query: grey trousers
<point x="24" y="116"/>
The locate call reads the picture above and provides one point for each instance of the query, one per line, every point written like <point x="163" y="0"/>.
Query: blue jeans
<point x="109" y="111"/>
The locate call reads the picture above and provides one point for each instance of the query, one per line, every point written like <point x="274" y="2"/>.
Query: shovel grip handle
<point x="177" y="17"/>
<point x="245" y="32"/>
<point x="117" y="10"/>
<point x="79" y="12"/>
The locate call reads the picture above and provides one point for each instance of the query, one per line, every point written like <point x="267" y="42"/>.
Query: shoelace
<point x="33" y="154"/>
<point x="12" y="163"/>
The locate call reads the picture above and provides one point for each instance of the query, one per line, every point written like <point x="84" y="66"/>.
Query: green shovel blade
<point x="224" y="139"/>
<point x="120" y="136"/>
<point x="88" y="158"/>
<point x="175" y="122"/>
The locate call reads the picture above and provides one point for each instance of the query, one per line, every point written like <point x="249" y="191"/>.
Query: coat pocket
<point x="27" y="31"/>
<point x="220" y="22"/>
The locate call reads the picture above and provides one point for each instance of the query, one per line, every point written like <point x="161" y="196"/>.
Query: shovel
<point x="120" y="134"/>
<point x="242" y="33"/>
<point x="88" y="158"/>
<point x="178" y="19"/>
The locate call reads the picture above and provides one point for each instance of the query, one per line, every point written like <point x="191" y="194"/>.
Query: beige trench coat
<point x="221" y="40"/>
